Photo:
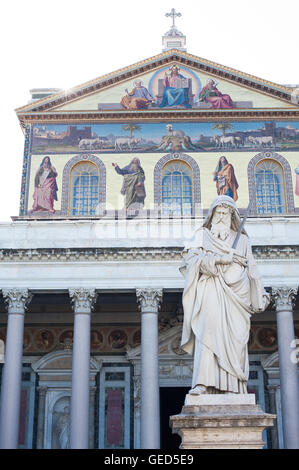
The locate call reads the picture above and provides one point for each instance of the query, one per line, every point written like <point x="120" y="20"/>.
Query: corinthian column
<point x="289" y="383"/>
<point x="16" y="301"/>
<point x="149" y="303"/>
<point x="83" y="300"/>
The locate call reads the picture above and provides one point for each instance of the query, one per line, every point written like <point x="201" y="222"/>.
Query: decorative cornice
<point x="89" y="254"/>
<point x="276" y="252"/>
<point x="149" y="300"/>
<point x="284" y="298"/>
<point x="65" y="255"/>
<point x="83" y="300"/>
<point x="172" y="56"/>
<point x="16" y="300"/>
<point x="205" y="115"/>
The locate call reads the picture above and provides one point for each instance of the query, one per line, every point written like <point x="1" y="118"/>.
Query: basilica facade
<point x="117" y="174"/>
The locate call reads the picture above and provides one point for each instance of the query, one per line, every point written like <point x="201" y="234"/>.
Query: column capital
<point x="284" y="297"/>
<point x="83" y="300"/>
<point x="149" y="299"/>
<point x="16" y="300"/>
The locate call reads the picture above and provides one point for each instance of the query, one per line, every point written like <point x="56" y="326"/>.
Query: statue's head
<point x="223" y="213"/>
<point x="221" y="221"/>
<point x="223" y="216"/>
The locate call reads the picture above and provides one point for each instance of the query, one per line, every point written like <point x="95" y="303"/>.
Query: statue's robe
<point x="218" y="301"/>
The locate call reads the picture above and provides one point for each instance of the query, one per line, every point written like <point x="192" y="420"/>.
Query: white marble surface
<point x="121" y="273"/>
<point x="220" y="399"/>
<point x="133" y="233"/>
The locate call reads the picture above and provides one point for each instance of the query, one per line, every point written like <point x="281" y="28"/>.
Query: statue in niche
<point x="222" y="290"/>
<point x="61" y="423"/>
<point x="62" y="428"/>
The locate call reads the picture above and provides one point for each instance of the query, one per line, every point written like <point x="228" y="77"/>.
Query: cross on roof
<point x="173" y="13"/>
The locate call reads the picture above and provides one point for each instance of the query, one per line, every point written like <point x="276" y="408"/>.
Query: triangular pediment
<point x="173" y="80"/>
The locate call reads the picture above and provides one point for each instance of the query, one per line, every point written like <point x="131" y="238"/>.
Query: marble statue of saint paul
<point x="222" y="290"/>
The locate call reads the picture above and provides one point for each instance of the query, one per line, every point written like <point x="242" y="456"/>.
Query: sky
<point x="64" y="43"/>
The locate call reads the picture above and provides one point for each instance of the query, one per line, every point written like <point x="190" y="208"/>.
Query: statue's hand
<point x="225" y="259"/>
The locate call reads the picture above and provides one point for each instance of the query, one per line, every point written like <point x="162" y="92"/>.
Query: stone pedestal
<point x="221" y="421"/>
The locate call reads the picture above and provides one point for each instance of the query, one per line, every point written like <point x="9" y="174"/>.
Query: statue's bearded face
<point x="221" y="222"/>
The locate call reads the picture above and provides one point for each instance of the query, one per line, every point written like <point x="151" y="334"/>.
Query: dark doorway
<point x="171" y="403"/>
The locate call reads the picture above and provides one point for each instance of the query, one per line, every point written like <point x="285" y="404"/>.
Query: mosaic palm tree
<point x="131" y="128"/>
<point x="223" y="127"/>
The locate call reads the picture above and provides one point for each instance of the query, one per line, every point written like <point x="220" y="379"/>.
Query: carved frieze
<point x="66" y="255"/>
<point x="108" y="339"/>
<point x="103" y="339"/>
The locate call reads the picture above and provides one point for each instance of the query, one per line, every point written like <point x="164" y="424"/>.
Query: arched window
<point x="270" y="184"/>
<point x="177" y="185"/>
<point x="270" y="187"/>
<point x="84" y="192"/>
<point x="177" y="188"/>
